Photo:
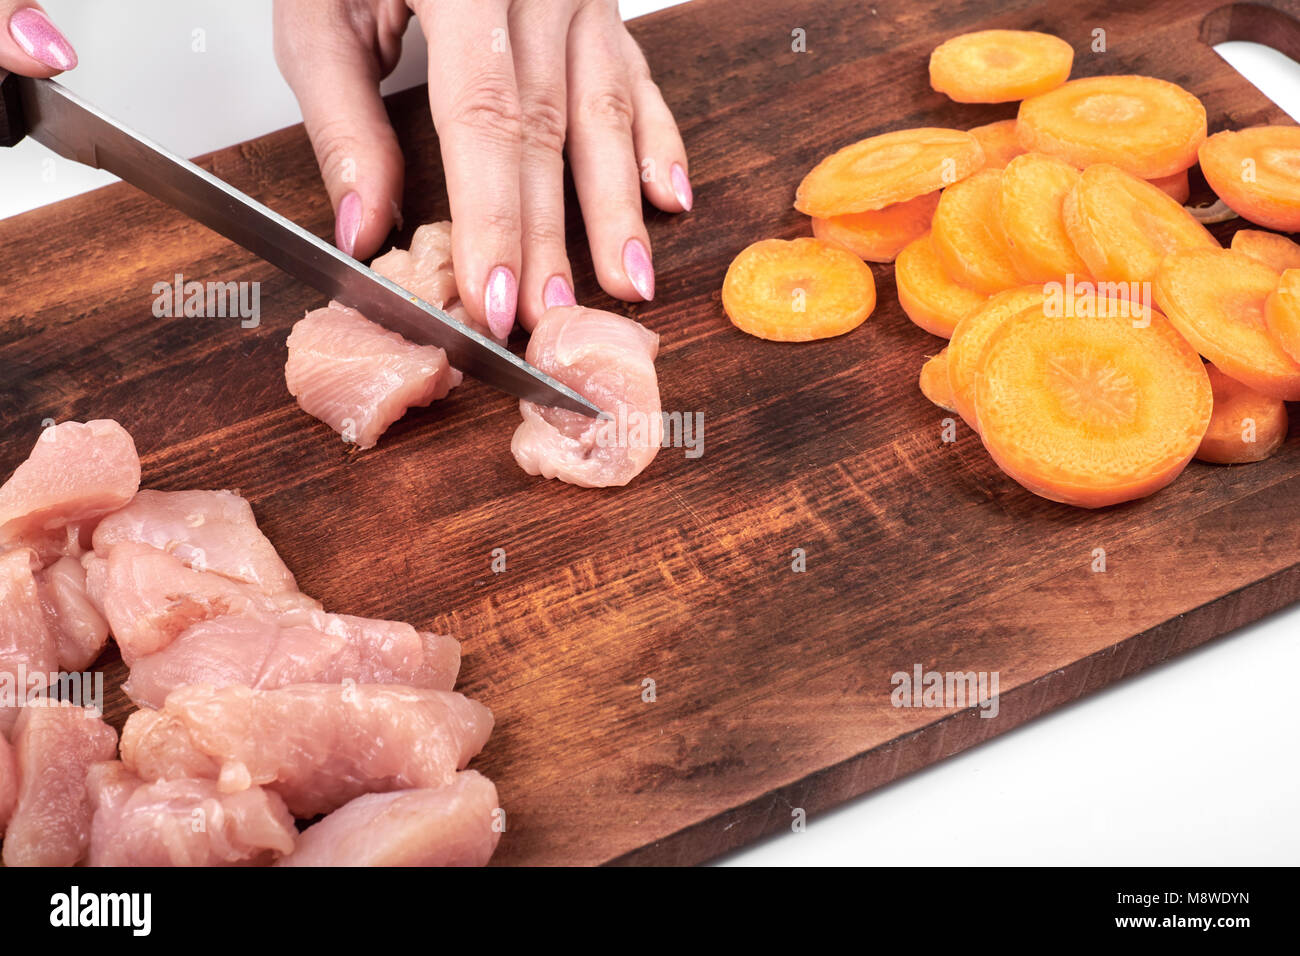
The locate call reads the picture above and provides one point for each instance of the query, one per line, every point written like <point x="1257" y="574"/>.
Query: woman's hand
<point x="512" y="83"/>
<point x="31" y="45"/>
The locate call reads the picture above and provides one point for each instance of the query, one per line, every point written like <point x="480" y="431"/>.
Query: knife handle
<point x="12" y="127"/>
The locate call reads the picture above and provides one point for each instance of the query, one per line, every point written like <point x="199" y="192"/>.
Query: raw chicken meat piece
<point x="206" y="530"/>
<point x="76" y="474"/>
<point x="8" y="782"/>
<point x="450" y="826"/>
<point x="184" y="822"/>
<point x="359" y="378"/>
<point x="319" y="648"/>
<point x="426" y="270"/>
<point x="80" y="631"/>
<point x="608" y="359"/>
<point x="317" y="745"/>
<point x="28" y="646"/>
<point x="55" y="743"/>
<point x="149" y="597"/>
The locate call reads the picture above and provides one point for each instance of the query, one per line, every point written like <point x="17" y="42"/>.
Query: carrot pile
<point x="1038" y="246"/>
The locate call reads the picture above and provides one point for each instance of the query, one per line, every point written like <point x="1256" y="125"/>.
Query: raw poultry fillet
<point x="28" y="646"/>
<point x="55" y="744"/>
<point x="359" y="378"/>
<point x="319" y="648"/>
<point x="80" y="631"/>
<point x="8" y="782"/>
<point x="610" y="360"/>
<point x="317" y="745"/>
<point x="205" y="530"/>
<point x="451" y="826"/>
<point x="77" y="473"/>
<point x="184" y="822"/>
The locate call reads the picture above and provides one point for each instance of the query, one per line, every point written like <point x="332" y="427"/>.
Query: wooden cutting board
<point x="771" y="686"/>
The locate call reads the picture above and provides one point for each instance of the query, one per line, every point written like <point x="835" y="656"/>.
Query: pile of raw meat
<point x="359" y="378"/>
<point x="257" y="706"/>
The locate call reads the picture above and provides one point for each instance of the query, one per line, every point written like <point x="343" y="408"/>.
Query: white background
<point x="1194" y="762"/>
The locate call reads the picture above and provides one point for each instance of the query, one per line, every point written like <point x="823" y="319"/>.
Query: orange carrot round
<point x="1277" y="252"/>
<point x="968" y="237"/>
<point x="879" y="235"/>
<point x="1147" y="127"/>
<point x="999" y="142"/>
<point x="1215" y="298"/>
<point x="934" y="381"/>
<point x="1122" y="226"/>
<point x="1282" y="313"/>
<point x="887" y="169"/>
<point x="972" y="334"/>
<point x="999" y="66"/>
<point x="1034" y="187"/>
<point x="928" y="295"/>
<point x="797" y="290"/>
<point x="1245" y="426"/>
<point x="1256" y="172"/>
<point x="1177" y="187"/>
<point x="1091" y="411"/>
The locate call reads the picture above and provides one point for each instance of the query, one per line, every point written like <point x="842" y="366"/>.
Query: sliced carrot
<point x="1034" y="187"/>
<point x="999" y="142"/>
<point x="1282" y="313"/>
<point x="968" y="236"/>
<point x="797" y="290"/>
<point x="1256" y="172"/>
<point x="1177" y="187"/>
<point x="1091" y="411"/>
<point x="1245" y="426"/>
<point x="972" y="334"/>
<point x="887" y="169"/>
<point x="928" y="295"/>
<point x="999" y="66"/>
<point x="1277" y="252"/>
<point x="1122" y="226"/>
<point x="934" y="381"/>
<point x="1216" y="297"/>
<point x="1147" y="127"/>
<point x="879" y="235"/>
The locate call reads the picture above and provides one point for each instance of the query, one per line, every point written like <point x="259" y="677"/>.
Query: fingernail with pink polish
<point x="636" y="263"/>
<point x="500" y="300"/>
<point x="41" y="39"/>
<point x="682" y="187"/>
<point x="347" y="224"/>
<point x="557" y="292"/>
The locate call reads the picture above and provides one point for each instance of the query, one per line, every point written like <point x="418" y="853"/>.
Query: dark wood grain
<point x="772" y="687"/>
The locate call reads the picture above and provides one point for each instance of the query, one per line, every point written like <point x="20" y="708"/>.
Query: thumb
<point x="31" y="44"/>
<point x="335" y="77"/>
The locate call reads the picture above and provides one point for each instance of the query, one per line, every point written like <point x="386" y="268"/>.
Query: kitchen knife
<point x="55" y="116"/>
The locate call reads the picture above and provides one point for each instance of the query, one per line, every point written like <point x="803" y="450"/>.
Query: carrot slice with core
<point x="879" y="235"/>
<point x="1034" y="187"/>
<point x="1277" y="252"/>
<point x="927" y="293"/>
<point x="1148" y="127"/>
<point x="1091" y="411"/>
<point x="999" y="142"/>
<point x="1177" y="187"/>
<point x="972" y="334"/>
<point x="1256" y="172"/>
<point x="1245" y="426"/>
<point x="1282" y="313"/>
<point x="797" y="290"/>
<point x="999" y="66"/>
<point x="887" y="169"/>
<point x="1122" y="226"/>
<point x="934" y="381"/>
<point x="1216" y="297"/>
<point x="968" y="236"/>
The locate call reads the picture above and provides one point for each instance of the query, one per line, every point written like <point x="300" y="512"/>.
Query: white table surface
<point x="1194" y="762"/>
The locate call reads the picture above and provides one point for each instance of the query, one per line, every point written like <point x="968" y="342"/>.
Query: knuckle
<point x="543" y="232"/>
<point x="544" y="123"/>
<point x="496" y="221"/>
<point x="611" y="108"/>
<point x="491" y="108"/>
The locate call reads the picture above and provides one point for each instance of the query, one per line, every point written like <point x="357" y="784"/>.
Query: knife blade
<point x="53" y="115"/>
